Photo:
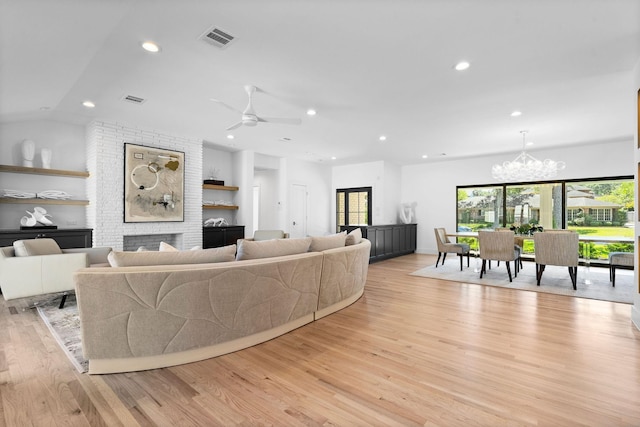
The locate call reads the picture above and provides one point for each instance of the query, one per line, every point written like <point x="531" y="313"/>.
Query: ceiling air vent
<point x="217" y="37"/>
<point x="133" y="99"/>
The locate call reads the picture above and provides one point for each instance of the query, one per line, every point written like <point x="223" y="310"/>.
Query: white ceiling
<point x="368" y="67"/>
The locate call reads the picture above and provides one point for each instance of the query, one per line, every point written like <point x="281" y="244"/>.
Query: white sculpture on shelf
<point x="28" y="151"/>
<point x="407" y="212"/>
<point x="45" y="155"/>
<point x="38" y="216"/>
<point x="215" y="222"/>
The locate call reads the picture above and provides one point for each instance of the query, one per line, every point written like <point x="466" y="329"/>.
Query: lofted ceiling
<point x="369" y="68"/>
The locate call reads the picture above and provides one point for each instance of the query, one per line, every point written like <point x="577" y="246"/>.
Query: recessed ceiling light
<point x="424" y="156"/>
<point x="382" y="138"/>
<point x="461" y="66"/>
<point x="333" y="157"/>
<point x="151" y="47"/>
<point x="88" y="104"/>
<point x="230" y="136"/>
<point x="516" y="113"/>
<point x="311" y="112"/>
<point x="529" y="143"/>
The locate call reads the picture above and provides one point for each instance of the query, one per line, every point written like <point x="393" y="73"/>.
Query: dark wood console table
<point x="388" y="241"/>
<point x="66" y="238"/>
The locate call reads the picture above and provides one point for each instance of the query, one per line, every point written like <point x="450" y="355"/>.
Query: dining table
<point x="586" y="259"/>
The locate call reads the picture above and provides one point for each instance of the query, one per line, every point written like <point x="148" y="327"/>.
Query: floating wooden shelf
<point x="43" y="201"/>
<point x="219" y="187"/>
<point x="231" y="208"/>
<point x="42" y="171"/>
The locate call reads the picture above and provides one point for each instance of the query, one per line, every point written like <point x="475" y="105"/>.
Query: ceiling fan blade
<point x="280" y="120"/>
<point x="217" y="101"/>
<point x="237" y="125"/>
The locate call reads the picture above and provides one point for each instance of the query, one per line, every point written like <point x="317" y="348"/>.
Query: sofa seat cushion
<point x="332" y="241"/>
<point x="35" y="247"/>
<point x="203" y="256"/>
<point x="248" y="249"/>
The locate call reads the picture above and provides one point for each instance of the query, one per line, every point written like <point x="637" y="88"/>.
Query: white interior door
<point x="298" y="211"/>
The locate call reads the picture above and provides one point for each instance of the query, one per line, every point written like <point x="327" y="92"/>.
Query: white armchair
<point x="269" y="235"/>
<point x="31" y="275"/>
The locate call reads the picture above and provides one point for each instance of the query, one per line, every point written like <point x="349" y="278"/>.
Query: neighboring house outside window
<point x="353" y="206"/>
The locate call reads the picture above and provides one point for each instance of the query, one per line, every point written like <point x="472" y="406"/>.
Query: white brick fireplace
<point x="105" y="189"/>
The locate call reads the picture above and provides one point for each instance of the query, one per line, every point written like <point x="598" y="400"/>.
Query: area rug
<point x="64" y="325"/>
<point x="593" y="282"/>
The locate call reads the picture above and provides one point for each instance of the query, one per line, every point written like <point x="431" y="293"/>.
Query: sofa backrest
<point x="213" y="255"/>
<point x="248" y="249"/>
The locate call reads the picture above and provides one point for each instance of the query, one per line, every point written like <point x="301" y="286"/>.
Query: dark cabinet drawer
<point x="388" y="241"/>
<point x="66" y="238"/>
<point x="215" y="237"/>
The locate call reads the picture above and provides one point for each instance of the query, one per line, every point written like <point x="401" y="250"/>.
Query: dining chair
<point x="497" y="246"/>
<point x="446" y="246"/>
<point x="556" y="247"/>
<point x="516" y="246"/>
<point x="619" y="259"/>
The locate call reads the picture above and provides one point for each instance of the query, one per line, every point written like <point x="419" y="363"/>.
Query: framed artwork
<point x="153" y="184"/>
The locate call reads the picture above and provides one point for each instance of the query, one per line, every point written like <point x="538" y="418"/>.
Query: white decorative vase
<point x="28" y="151"/>
<point x="45" y="154"/>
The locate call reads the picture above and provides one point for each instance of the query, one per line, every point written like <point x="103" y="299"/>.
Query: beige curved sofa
<point x="146" y="317"/>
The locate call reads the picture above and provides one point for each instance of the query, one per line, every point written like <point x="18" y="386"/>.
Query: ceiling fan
<point x="249" y="116"/>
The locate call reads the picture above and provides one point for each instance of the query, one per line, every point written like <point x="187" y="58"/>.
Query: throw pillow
<point x="248" y="249"/>
<point x="322" y="243"/>
<point x="165" y="247"/>
<point x="34" y="247"/>
<point x="203" y="256"/>
<point x="354" y="237"/>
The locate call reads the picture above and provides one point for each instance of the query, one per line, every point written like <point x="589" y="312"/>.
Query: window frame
<point x="562" y="182"/>
<point x="346" y="192"/>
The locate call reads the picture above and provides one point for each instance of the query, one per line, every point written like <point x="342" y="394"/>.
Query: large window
<point x="353" y="206"/>
<point x="602" y="207"/>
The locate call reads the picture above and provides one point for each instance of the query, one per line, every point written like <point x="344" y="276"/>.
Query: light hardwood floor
<point x="411" y="351"/>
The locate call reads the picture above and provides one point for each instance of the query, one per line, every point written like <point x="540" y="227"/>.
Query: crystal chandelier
<point x="525" y="167"/>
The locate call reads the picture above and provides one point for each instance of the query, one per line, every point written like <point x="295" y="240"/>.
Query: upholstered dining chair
<point x="619" y="259"/>
<point x="445" y="246"/>
<point x="556" y="247"/>
<point x="498" y="246"/>
<point x="516" y="246"/>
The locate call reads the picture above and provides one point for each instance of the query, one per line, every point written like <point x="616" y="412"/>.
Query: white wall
<point x="105" y="162"/>
<point x="67" y="144"/>
<point x="392" y="200"/>
<point x="321" y="200"/>
<point x="267" y="180"/>
<point x="384" y="178"/>
<point x="243" y="170"/>
<point x="433" y="184"/>
<point x="634" y="104"/>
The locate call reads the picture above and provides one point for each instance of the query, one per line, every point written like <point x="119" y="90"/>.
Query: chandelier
<point x="525" y="167"/>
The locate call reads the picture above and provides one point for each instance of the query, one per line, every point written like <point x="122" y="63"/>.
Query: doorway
<point x="298" y="211"/>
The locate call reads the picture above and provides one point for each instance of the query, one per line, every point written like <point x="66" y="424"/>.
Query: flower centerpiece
<point x="526" y="229"/>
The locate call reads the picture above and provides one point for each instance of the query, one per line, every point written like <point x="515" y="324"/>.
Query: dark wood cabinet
<point x="66" y="238"/>
<point x="215" y="237"/>
<point x="388" y="241"/>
